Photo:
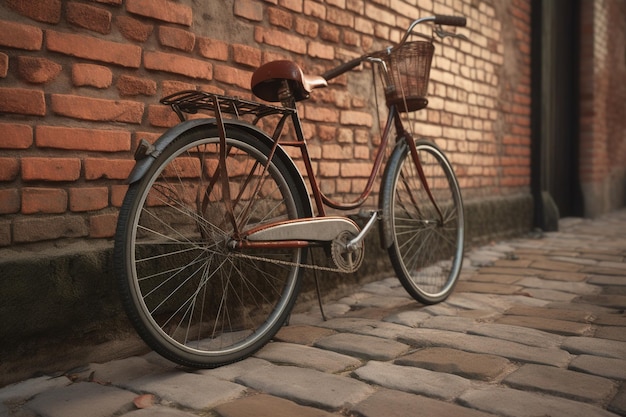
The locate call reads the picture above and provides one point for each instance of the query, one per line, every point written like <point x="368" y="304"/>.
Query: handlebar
<point x="436" y="19"/>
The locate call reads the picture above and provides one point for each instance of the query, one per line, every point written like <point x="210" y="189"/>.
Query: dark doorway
<point x="555" y="112"/>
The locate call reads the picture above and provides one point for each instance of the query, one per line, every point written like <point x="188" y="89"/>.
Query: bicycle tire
<point x="191" y="298"/>
<point x="426" y="253"/>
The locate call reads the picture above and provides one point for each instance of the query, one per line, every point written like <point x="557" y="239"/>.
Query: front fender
<point x="142" y="165"/>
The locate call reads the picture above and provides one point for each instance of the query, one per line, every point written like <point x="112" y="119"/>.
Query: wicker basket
<point x="406" y="76"/>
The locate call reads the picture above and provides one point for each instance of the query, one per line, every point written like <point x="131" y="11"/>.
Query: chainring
<point x="346" y="260"/>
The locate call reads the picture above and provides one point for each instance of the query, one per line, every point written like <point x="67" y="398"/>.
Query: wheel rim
<point x="430" y="250"/>
<point x="192" y="291"/>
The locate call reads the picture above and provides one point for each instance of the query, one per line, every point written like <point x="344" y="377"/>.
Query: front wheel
<point x="425" y="242"/>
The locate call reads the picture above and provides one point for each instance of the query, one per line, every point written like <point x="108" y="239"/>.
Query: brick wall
<point x="80" y="83"/>
<point x="603" y="105"/>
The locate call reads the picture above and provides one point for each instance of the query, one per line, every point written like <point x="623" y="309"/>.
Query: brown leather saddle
<point x="268" y="78"/>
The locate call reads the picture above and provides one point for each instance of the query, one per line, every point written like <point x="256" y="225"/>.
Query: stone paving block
<point x="557" y="266"/>
<point x="523" y="335"/>
<point x="496" y="278"/>
<point x="31" y="387"/>
<point x="473" y="301"/>
<point x="301" y="334"/>
<point x="563" y="276"/>
<point x="611" y="319"/>
<point x="618" y="403"/>
<point x="574" y="259"/>
<point x="481" y="344"/>
<point x="82" y="399"/>
<point x="515" y="403"/>
<point x="454" y="361"/>
<point x="487" y="288"/>
<point x="192" y="390"/>
<point x="611" y="332"/>
<point x="386" y="288"/>
<point x="548" y="295"/>
<point x="363" y="346"/>
<point x="413" y="380"/>
<point x="122" y="370"/>
<point x="561" y="382"/>
<point x="513" y="263"/>
<point x="158" y="411"/>
<point x="598" y="365"/>
<point x="367" y="327"/>
<point x="603" y="270"/>
<point x="593" y="346"/>
<point x="307" y="357"/>
<point x="613" y="280"/>
<point x="235" y="370"/>
<point x="386" y="403"/>
<point x="453" y="324"/>
<point x="307" y="386"/>
<point x="577" y="288"/>
<point x="552" y="313"/>
<point x="411" y="318"/>
<point x="566" y="328"/>
<point x="267" y="406"/>
<point x="611" y="301"/>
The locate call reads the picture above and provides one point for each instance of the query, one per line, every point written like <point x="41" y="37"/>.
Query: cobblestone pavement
<point x="536" y="327"/>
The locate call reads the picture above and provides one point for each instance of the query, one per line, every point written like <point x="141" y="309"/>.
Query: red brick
<point x="164" y="10"/>
<point x="128" y="85"/>
<point x="50" y="169"/>
<point x="249" y="9"/>
<point x="233" y="76"/>
<point x="37" y="229"/>
<point x="113" y="2"/>
<point x="117" y="194"/>
<point x="307" y="27"/>
<point x="321" y="50"/>
<point x="162" y="116"/>
<point x="177" y="64"/>
<point x="91" y="75"/>
<point x="88" y="198"/>
<point x="213" y="49"/>
<point x="95" y="109"/>
<point x="72" y="138"/>
<point x="89" y="17"/>
<point x="37" y="70"/>
<point x="9" y="169"/>
<point x="293" y="5"/>
<point x="88" y="47"/>
<point x="280" y="18"/>
<point x="355" y="169"/>
<point x="177" y="38"/>
<point x="16" y="136"/>
<point x="44" y="200"/>
<point x="280" y="39"/>
<point x="22" y="101"/>
<point x="20" y="36"/>
<point x="171" y="87"/>
<point x="330" y="33"/>
<point x="4" y="65"/>
<point x="102" y="225"/>
<point x="340" y="17"/>
<point x="247" y="55"/>
<point x="114" y="169"/>
<point x="315" y="9"/>
<point x="132" y="29"/>
<point x="48" y="11"/>
<point x="9" y="201"/>
<point x="351" y="117"/>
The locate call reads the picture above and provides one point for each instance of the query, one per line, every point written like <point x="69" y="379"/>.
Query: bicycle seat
<point x="267" y="80"/>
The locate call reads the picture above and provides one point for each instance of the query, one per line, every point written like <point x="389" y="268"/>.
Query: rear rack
<point x="190" y="101"/>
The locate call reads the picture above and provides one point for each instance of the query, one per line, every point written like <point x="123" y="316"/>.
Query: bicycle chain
<point x="288" y="263"/>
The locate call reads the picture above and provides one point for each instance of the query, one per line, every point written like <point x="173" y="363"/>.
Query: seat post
<point x="286" y="96"/>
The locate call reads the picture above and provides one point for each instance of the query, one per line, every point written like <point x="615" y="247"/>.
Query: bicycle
<point x="217" y="222"/>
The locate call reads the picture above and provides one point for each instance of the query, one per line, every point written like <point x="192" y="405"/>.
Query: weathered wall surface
<point x="80" y="83"/>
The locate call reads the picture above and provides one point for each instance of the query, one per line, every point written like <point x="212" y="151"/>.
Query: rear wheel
<point x="425" y="247"/>
<point x="190" y="296"/>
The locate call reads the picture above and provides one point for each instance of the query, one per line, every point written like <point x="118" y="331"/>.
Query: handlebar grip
<point x="450" y="20"/>
<point x="345" y="67"/>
